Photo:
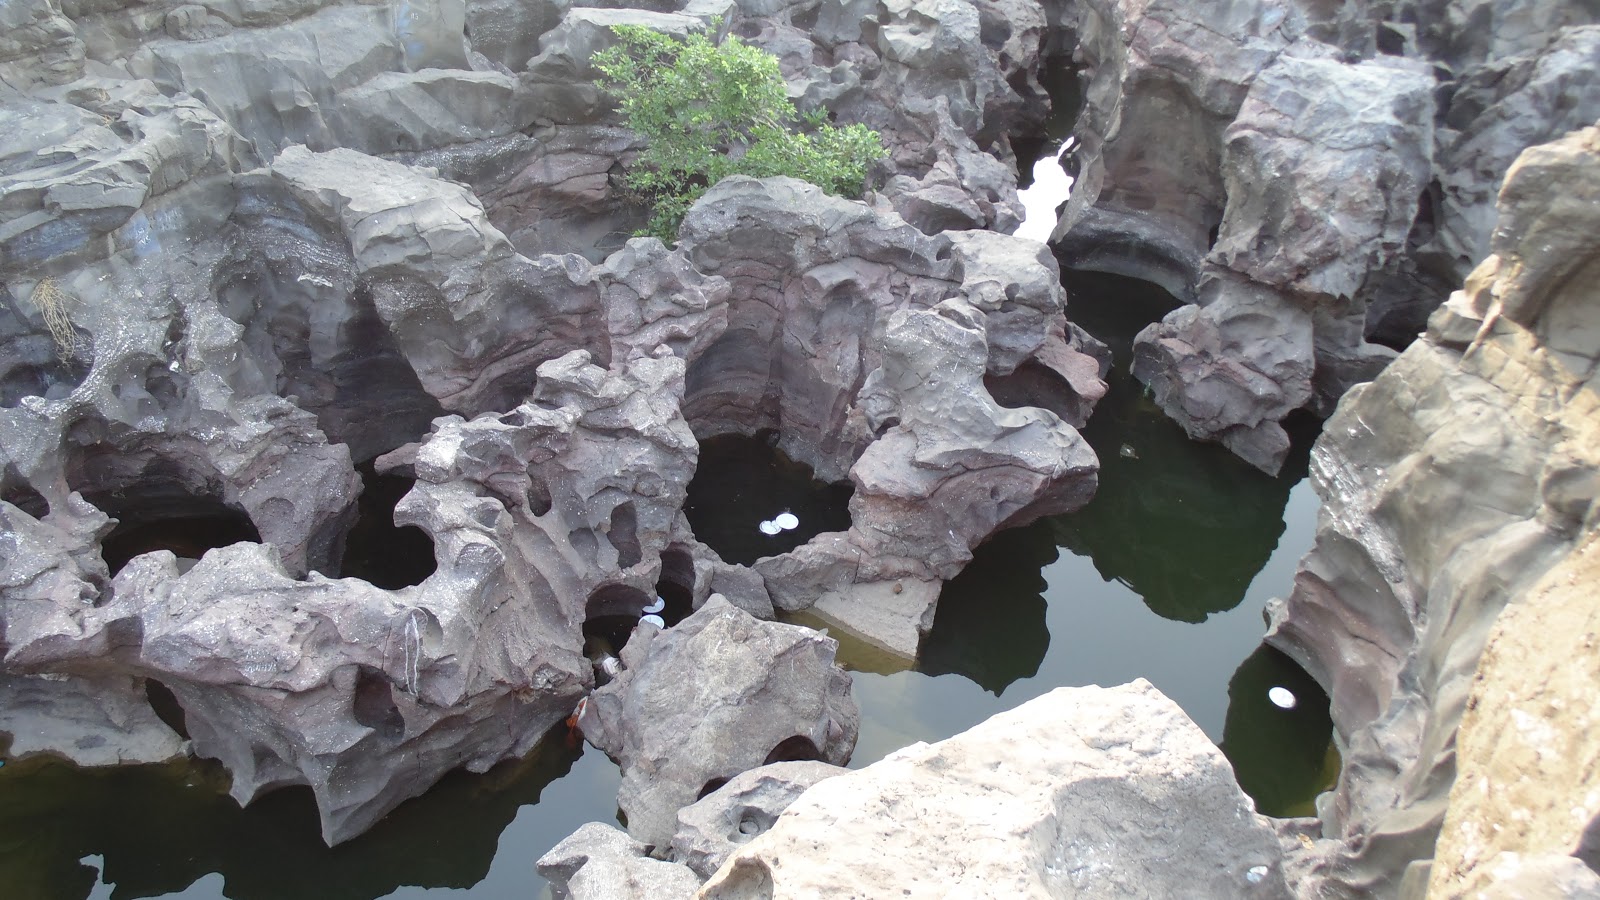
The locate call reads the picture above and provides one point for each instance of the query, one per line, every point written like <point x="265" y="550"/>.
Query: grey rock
<point x="598" y="862"/>
<point x="711" y="829"/>
<point x="716" y="695"/>
<point x="1082" y="792"/>
<point x="90" y="720"/>
<point x="1323" y="164"/>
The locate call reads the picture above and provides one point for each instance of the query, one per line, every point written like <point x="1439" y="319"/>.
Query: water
<point x="1163" y="576"/>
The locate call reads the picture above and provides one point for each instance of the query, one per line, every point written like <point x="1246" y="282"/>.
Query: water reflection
<point x="150" y="831"/>
<point x="991" y="624"/>
<point x="1282" y="754"/>
<point x="1186" y="525"/>
<point x="742" y="484"/>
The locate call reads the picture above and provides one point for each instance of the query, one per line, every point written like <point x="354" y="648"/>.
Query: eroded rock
<point x="719" y="694"/>
<point x="747" y="806"/>
<point x="1084" y="791"/>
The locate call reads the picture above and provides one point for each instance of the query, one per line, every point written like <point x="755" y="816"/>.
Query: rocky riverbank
<point x="254" y="254"/>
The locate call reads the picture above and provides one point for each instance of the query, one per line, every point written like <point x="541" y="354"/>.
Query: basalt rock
<point x="1082" y="792"/>
<point x="248" y="248"/>
<point x="718" y="694"/>
<point x="598" y="862"/>
<point x="715" y="826"/>
<point x="807" y="271"/>
<point x="1323" y="164"/>
<point x="1451" y="485"/>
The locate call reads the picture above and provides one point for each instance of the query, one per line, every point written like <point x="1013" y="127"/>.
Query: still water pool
<point x="1163" y="576"/>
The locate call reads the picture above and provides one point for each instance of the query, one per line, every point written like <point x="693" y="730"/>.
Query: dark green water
<point x="1163" y="576"/>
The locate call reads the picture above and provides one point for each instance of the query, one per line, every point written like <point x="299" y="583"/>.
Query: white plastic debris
<point x="769" y="528"/>
<point x="787" y="521"/>
<point x="657" y="606"/>
<point x="1255" y="873"/>
<point x="657" y="621"/>
<point x="1281" y="697"/>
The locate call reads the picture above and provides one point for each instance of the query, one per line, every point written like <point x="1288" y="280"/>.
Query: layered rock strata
<point x="1208" y="135"/>
<point x="1452" y="485"/>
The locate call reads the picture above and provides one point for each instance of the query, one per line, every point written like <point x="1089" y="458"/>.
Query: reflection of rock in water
<point x="1186" y="527"/>
<point x="135" y="817"/>
<point x="990" y="626"/>
<point x="742" y="483"/>
<point x="1283" y="757"/>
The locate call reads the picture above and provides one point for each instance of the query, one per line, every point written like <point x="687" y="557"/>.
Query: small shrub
<point x="710" y="110"/>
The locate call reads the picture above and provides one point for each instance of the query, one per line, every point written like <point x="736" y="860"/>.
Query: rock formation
<point x="711" y="829"/>
<point x="246" y="251"/>
<point x="1452" y="485"/>
<point x="1208" y="136"/>
<point x="1082" y="792"/>
<point x="717" y="695"/>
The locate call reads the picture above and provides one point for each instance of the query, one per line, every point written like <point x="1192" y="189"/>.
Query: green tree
<point x="710" y="110"/>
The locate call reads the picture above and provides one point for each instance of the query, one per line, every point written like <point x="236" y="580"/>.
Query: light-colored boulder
<point x="1082" y="792"/>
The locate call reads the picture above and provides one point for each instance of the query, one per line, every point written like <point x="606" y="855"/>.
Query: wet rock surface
<point x="1079" y="792"/>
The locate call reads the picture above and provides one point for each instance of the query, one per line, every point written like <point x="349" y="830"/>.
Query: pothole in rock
<point x="1279" y="735"/>
<point x="378" y="551"/>
<point x="1034" y="384"/>
<point x="748" y="500"/>
<point x="186" y="526"/>
<point x="614" y="611"/>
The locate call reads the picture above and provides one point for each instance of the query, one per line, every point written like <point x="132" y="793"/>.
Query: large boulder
<point x="718" y="694"/>
<point x="1082" y="792"/>
<point x="1323" y="165"/>
<point x="1451" y="485"/>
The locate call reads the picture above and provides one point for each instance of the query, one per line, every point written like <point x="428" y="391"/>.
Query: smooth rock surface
<point x="1082" y="792"/>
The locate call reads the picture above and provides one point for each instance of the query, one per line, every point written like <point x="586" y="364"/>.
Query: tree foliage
<point x="710" y="110"/>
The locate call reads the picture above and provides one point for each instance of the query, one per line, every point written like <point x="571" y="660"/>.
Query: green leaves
<point x="710" y="110"/>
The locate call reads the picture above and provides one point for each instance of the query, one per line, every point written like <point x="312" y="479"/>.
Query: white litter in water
<point x="657" y="621"/>
<point x="611" y="666"/>
<point x="1281" y="697"/>
<point x="1255" y="873"/>
<point x="786" y="521"/>
<point x="769" y="528"/>
<point x="657" y="606"/>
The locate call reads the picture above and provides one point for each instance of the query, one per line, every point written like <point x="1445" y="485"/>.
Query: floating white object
<point x="1281" y="697"/>
<point x="611" y="666"/>
<point x="657" y="606"/>
<point x="769" y="528"/>
<point x="787" y="521"/>
<point x="1255" y="874"/>
<point x="657" y="621"/>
